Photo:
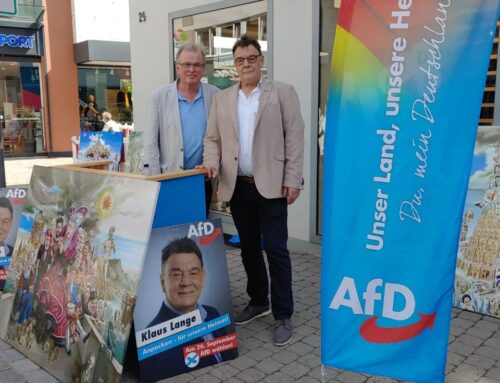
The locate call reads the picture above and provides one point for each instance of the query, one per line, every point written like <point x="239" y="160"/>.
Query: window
<point x="21" y="112"/>
<point x="111" y="89"/>
<point x="217" y="31"/>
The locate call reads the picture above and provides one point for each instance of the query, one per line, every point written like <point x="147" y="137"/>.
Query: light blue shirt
<point x="193" y="124"/>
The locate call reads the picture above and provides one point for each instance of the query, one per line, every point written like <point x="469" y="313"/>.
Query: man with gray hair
<point x="179" y="113"/>
<point x="110" y="125"/>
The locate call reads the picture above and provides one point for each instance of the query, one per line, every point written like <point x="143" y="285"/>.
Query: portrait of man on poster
<point x="182" y="279"/>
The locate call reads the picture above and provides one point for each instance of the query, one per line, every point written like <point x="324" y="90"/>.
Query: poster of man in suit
<point x="183" y="318"/>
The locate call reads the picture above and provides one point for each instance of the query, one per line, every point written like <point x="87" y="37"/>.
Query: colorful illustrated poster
<point x="477" y="279"/>
<point x="97" y="146"/>
<point x="70" y="294"/>
<point x="183" y="320"/>
<point x="134" y="153"/>
<point x="11" y="206"/>
<point x="403" y="109"/>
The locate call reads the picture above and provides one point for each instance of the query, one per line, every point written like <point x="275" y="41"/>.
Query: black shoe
<point x="282" y="332"/>
<point x="249" y="313"/>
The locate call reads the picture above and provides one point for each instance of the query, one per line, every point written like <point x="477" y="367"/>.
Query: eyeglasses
<point x="250" y="59"/>
<point x="196" y="66"/>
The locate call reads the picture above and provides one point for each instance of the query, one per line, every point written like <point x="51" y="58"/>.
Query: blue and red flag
<point x="407" y="83"/>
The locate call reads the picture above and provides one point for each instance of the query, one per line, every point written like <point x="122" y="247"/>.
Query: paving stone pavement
<point x="18" y="170"/>
<point x="473" y="352"/>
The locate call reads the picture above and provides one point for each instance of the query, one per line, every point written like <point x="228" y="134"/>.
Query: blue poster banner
<point x="402" y="114"/>
<point x="30" y="85"/>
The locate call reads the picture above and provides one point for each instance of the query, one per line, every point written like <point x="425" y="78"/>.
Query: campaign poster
<point x="402" y="115"/>
<point x="477" y="279"/>
<point x="70" y="294"/>
<point x="134" y="153"/>
<point x="97" y="146"/>
<point x="183" y="320"/>
<point x="11" y="205"/>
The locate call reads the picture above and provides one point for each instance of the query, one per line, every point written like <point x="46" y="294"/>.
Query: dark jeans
<point x="254" y="216"/>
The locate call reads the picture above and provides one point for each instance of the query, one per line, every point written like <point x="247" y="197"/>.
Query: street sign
<point x="8" y="7"/>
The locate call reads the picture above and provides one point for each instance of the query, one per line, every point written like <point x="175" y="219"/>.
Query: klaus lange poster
<point x="183" y="319"/>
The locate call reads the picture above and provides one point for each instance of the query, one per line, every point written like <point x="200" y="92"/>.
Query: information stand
<point x="69" y="298"/>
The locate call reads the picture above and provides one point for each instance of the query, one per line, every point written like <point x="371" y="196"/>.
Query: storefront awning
<point x="97" y="52"/>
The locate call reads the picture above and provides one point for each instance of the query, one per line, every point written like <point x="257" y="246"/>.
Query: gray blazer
<point x="278" y="142"/>
<point x="163" y="144"/>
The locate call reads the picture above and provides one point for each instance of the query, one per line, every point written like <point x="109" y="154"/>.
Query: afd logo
<point x="16" y="193"/>
<point x="377" y="290"/>
<point x="16" y="196"/>
<point x="206" y="231"/>
<point x="16" y="41"/>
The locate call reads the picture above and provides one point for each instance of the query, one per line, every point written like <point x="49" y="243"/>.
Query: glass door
<point x="21" y="110"/>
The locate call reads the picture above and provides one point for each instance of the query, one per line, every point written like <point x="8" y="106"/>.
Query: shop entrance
<point x="21" y="111"/>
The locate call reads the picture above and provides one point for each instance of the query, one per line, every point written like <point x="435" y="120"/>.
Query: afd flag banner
<point x="402" y="114"/>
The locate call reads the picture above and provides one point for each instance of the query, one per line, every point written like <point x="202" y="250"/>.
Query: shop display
<point x="183" y="317"/>
<point x="11" y="206"/>
<point x="96" y="146"/>
<point x="477" y="279"/>
<point x="69" y="298"/>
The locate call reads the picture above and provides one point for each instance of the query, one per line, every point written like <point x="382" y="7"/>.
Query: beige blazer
<point x="278" y="144"/>
<point x="163" y="143"/>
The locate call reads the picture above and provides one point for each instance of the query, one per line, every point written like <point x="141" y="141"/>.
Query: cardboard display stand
<point x="70" y="295"/>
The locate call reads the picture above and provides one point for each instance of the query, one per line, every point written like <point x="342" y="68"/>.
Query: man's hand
<point x="291" y="194"/>
<point x="212" y="172"/>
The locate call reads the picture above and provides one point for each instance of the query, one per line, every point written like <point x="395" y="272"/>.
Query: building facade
<point x="53" y="55"/>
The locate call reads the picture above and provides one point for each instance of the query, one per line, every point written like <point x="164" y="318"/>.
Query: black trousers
<point x="208" y="195"/>
<point x="254" y="216"/>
